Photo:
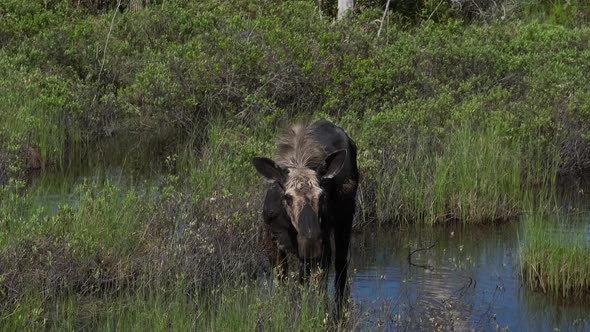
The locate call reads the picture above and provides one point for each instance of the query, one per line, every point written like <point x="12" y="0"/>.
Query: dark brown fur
<point x="312" y="198"/>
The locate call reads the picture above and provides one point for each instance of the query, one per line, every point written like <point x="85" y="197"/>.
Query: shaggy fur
<point x="298" y="148"/>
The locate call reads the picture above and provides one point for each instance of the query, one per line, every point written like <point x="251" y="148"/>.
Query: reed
<point x="474" y="176"/>
<point x="554" y="254"/>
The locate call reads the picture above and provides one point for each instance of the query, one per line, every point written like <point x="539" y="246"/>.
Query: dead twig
<point x="435" y="9"/>
<point x="424" y="266"/>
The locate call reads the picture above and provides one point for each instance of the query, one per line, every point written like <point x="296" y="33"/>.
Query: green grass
<point x="249" y="307"/>
<point x="103" y="216"/>
<point x="38" y="109"/>
<point x="554" y="255"/>
<point x="473" y="176"/>
<point x="258" y="307"/>
<point x="121" y="244"/>
<point x="222" y="166"/>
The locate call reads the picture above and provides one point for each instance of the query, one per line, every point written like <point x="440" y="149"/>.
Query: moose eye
<point x="288" y="199"/>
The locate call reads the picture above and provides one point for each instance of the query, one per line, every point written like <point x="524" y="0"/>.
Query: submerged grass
<point x="554" y="255"/>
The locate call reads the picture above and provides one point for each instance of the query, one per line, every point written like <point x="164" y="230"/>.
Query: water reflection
<point x="468" y="279"/>
<point x="50" y="190"/>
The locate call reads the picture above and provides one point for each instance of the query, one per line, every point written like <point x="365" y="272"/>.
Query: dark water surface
<point x="457" y="279"/>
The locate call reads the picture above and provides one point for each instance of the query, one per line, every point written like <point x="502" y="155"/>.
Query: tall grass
<point x="103" y="215"/>
<point x="114" y="243"/>
<point x="38" y="110"/>
<point x="554" y="254"/>
<point x="475" y="177"/>
<point x="251" y="307"/>
<point x="220" y="165"/>
<point x="265" y="308"/>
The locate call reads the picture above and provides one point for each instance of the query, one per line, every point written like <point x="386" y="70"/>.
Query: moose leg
<point x="276" y="256"/>
<point x="326" y="258"/>
<point x="305" y="271"/>
<point x="342" y="240"/>
<point x="281" y="264"/>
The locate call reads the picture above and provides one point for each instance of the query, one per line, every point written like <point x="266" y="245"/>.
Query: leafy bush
<point x="164" y="72"/>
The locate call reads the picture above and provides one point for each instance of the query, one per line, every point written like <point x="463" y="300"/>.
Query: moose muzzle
<point x="309" y="237"/>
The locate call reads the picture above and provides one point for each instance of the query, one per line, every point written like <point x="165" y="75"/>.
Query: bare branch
<point x="424" y="266"/>
<point x="106" y="44"/>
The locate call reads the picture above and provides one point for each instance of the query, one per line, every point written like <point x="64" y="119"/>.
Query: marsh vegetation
<point x="143" y="122"/>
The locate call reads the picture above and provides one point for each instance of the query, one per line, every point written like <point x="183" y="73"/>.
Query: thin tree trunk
<point x="383" y="18"/>
<point x="344" y="6"/>
<point x="136" y="5"/>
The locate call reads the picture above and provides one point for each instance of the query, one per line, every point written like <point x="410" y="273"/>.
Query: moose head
<point x="304" y="196"/>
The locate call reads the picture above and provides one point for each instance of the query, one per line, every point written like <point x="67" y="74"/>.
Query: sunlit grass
<point x="554" y="255"/>
<point x="475" y="177"/>
<point x="251" y="307"/>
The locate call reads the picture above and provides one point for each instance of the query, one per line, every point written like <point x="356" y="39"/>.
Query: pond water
<point x="451" y="279"/>
<point x="461" y="278"/>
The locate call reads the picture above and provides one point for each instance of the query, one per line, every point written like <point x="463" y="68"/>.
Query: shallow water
<point x="460" y="278"/>
<point x="468" y="279"/>
<point x="51" y="190"/>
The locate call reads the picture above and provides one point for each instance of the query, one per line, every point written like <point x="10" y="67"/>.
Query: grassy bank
<point x="475" y="177"/>
<point x="249" y="307"/>
<point x="554" y="257"/>
<point x="164" y="73"/>
<point x="123" y="258"/>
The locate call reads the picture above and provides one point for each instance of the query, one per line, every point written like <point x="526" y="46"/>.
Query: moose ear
<point x="334" y="163"/>
<point x="268" y="168"/>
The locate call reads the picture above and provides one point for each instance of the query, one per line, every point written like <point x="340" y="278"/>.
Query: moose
<point x="312" y="196"/>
